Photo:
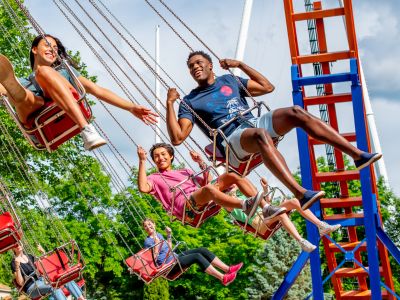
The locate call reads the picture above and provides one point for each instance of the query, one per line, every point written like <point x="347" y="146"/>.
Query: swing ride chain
<point x="205" y="45"/>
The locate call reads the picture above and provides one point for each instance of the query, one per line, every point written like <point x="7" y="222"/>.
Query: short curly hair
<point x="202" y="53"/>
<point x="168" y="147"/>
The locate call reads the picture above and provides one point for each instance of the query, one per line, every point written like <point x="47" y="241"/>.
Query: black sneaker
<point x="366" y="159"/>
<point x="310" y="197"/>
<point x="270" y="211"/>
<point x="251" y="204"/>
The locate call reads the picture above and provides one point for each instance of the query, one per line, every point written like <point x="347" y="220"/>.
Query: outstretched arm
<point x="258" y="84"/>
<point x="141" y="112"/>
<point x="178" y="130"/>
<point x="143" y="184"/>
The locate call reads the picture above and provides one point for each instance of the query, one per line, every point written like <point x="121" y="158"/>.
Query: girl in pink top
<point x="159" y="184"/>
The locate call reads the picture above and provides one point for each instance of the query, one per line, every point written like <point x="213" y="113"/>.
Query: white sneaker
<point x="325" y="228"/>
<point x="307" y="246"/>
<point x="91" y="138"/>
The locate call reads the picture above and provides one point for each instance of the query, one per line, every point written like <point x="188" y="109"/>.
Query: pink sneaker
<point x="235" y="268"/>
<point x="228" y="278"/>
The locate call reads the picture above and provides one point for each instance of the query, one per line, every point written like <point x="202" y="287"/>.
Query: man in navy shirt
<point x="218" y="99"/>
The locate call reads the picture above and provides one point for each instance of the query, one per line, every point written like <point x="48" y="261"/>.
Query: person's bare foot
<point x="8" y="80"/>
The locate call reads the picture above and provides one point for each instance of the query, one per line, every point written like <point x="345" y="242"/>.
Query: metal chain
<point x="207" y="47"/>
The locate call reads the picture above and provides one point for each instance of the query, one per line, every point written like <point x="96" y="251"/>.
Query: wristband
<point x="168" y="237"/>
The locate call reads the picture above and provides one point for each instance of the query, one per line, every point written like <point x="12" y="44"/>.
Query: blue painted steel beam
<point x="368" y="198"/>
<point x="306" y="178"/>
<point x="389" y="244"/>
<point x="291" y="276"/>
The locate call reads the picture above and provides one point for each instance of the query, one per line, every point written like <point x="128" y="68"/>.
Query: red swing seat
<point x="10" y="232"/>
<point x="143" y="265"/>
<point x="60" y="267"/>
<point x="247" y="228"/>
<point x="194" y="217"/>
<point x="49" y="127"/>
<point x="243" y="169"/>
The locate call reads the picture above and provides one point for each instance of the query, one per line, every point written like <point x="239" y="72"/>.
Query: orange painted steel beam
<point x="325" y="13"/>
<point x="340" y="202"/>
<point x="337" y="176"/>
<point x="323" y="57"/>
<point x="327" y="99"/>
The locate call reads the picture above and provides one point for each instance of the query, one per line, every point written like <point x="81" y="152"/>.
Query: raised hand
<point x="195" y="156"/>
<point x="227" y="63"/>
<point x="141" y="153"/>
<point x="172" y="95"/>
<point x="145" y="114"/>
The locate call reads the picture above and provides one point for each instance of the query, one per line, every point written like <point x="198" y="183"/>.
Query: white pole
<point x="157" y="82"/>
<point x="380" y="166"/>
<point x="244" y="28"/>
<point x="376" y="144"/>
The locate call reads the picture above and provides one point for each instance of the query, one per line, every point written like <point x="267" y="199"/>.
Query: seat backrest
<point x="142" y="264"/>
<point x="6" y="221"/>
<point x="9" y="234"/>
<point x="53" y="264"/>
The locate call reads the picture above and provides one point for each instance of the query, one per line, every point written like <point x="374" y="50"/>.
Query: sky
<point x="217" y="23"/>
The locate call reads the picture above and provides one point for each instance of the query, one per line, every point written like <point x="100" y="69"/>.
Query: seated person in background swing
<point x="46" y="84"/>
<point x="24" y="270"/>
<point x="204" y="258"/>
<point x="262" y="225"/>
<point x="159" y="184"/>
<point x="218" y="100"/>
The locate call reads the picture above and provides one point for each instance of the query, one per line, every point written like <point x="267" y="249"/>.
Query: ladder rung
<point x="349" y="136"/>
<point x="347" y="220"/>
<point x="318" y="14"/>
<point x="361" y="295"/>
<point x="323" y="57"/>
<point x="337" y="176"/>
<point x="353" y="272"/>
<point x="324" y="79"/>
<point x="348" y="246"/>
<point x="328" y="99"/>
<point x="340" y="202"/>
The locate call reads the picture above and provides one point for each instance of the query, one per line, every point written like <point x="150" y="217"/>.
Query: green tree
<point x="271" y="265"/>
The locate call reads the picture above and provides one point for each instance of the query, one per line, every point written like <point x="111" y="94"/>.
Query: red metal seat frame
<point x="10" y="232"/>
<point x="51" y="126"/>
<point x="247" y="164"/>
<point x="61" y="265"/>
<point x="144" y="265"/>
<point x="202" y="215"/>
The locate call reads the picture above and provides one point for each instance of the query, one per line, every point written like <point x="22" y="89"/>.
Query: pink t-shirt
<point x="161" y="190"/>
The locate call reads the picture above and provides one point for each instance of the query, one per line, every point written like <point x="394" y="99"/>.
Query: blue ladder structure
<point x="355" y="211"/>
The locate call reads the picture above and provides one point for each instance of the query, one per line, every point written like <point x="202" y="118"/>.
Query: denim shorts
<point x="265" y="122"/>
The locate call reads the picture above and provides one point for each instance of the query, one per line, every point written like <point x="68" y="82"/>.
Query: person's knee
<point x="298" y="113"/>
<point x="44" y="74"/>
<point x="209" y="189"/>
<point x="262" y="137"/>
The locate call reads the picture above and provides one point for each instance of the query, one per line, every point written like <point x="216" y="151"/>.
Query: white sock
<point x="264" y="209"/>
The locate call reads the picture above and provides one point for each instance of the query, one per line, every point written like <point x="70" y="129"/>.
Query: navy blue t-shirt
<point x="216" y="104"/>
<point x="149" y="242"/>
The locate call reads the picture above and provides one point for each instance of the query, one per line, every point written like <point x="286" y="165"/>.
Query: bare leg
<point x="220" y="264"/>
<point x="307" y="214"/>
<point x="245" y="186"/>
<point x="214" y="272"/>
<point x="287" y="224"/>
<point x="24" y="101"/>
<point x="209" y="192"/>
<point x="285" y="119"/>
<point x="58" y="88"/>
<point x="255" y="140"/>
